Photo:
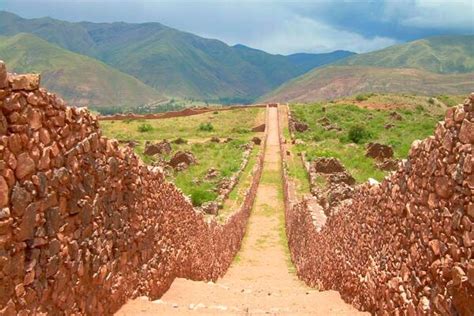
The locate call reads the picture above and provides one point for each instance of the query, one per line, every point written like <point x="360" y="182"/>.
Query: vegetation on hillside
<point x="80" y="80"/>
<point x="359" y="125"/>
<point x="196" y="131"/>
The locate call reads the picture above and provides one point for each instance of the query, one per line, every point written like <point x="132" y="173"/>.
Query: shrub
<point x="431" y="101"/>
<point x="358" y="134"/>
<point x="145" y="127"/>
<point x="241" y="130"/>
<point x="200" y="196"/>
<point x="206" y="127"/>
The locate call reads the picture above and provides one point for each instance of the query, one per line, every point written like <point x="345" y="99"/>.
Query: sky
<point x="280" y="27"/>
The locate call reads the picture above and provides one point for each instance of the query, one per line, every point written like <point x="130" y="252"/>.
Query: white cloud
<point x="443" y="14"/>
<point x="301" y="34"/>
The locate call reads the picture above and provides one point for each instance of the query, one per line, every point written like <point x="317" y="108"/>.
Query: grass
<point x="417" y="122"/>
<point x="225" y="157"/>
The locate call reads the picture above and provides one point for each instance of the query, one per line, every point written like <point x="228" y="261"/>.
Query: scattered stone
<point x="212" y="173"/>
<point x="389" y="126"/>
<point x="327" y="165"/>
<point x="27" y="82"/>
<point x="257" y="140"/>
<point x="388" y="165"/>
<point x="25" y="166"/>
<point x="182" y="157"/>
<point x="395" y="116"/>
<point x="180" y="141"/>
<point x="215" y="139"/>
<point x="379" y="151"/>
<point x="161" y="148"/>
<point x="211" y="208"/>
<point x="300" y="126"/>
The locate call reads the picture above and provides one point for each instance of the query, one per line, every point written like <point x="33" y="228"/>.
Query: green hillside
<point x="433" y="66"/>
<point x="174" y="62"/>
<point x="80" y="80"/>
<point x="440" y="54"/>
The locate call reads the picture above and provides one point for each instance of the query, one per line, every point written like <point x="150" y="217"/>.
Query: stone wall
<point x="406" y="245"/>
<point x="181" y="113"/>
<point x="84" y="225"/>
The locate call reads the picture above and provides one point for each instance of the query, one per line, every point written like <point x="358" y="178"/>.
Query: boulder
<point x="257" y="140"/>
<point x="327" y="165"/>
<point x="185" y="157"/>
<point x="379" y="151"/>
<point x="388" y="165"/>
<point x="300" y="126"/>
<point x="3" y="75"/>
<point x="161" y="148"/>
<point x="341" y="177"/>
<point x="27" y="82"/>
<point x="395" y="116"/>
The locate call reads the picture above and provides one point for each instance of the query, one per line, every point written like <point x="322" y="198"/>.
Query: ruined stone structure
<point x="84" y="225"/>
<point x="406" y="245"/>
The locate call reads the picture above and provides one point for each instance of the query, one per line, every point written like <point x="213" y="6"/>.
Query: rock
<point x="215" y="139"/>
<point x="379" y="151"/>
<point x="3" y="75"/>
<point x="444" y="187"/>
<point x="373" y="182"/>
<point x="327" y="165"/>
<point x="161" y="148"/>
<point x="185" y="157"/>
<point x="389" y="126"/>
<point x="388" y="165"/>
<point x="259" y="128"/>
<point x="257" y="140"/>
<point x="212" y="173"/>
<point x="300" y="126"/>
<point x="25" y="166"/>
<point x="324" y="121"/>
<point x="27" y="82"/>
<point x="211" y="208"/>
<point x="458" y="275"/>
<point x="4" y="192"/>
<point x="466" y="134"/>
<point x="341" y="177"/>
<point x="395" y="116"/>
<point x="4" y="213"/>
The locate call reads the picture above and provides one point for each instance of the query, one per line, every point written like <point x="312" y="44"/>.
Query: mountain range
<point x="125" y="65"/>
<point x="431" y="66"/>
<point x="173" y="63"/>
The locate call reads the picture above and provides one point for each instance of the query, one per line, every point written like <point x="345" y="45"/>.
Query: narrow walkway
<point x="261" y="280"/>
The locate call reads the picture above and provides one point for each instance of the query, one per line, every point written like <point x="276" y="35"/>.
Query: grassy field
<point x="197" y="131"/>
<point x="419" y="118"/>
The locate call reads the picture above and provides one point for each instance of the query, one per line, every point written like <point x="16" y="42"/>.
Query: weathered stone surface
<point x="3" y="75"/>
<point x="25" y="166"/>
<point x="379" y="151"/>
<point x="466" y="134"/>
<point x="161" y="148"/>
<point x="327" y="165"/>
<point x="185" y="157"/>
<point x="28" y="82"/>
<point x="4" y="194"/>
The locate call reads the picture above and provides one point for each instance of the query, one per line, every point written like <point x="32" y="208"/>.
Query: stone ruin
<point x="404" y="246"/>
<point x="84" y="225"/>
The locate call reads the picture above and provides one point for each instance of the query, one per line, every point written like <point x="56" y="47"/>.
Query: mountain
<point x="440" y="54"/>
<point x="177" y="63"/>
<point x="79" y="79"/>
<point x="437" y="65"/>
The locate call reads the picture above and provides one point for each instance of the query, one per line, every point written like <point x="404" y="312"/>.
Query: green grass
<point x="417" y="123"/>
<point x="225" y="157"/>
<point x="81" y="80"/>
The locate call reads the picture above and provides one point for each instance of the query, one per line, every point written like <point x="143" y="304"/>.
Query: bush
<point x="358" y="134"/>
<point x="431" y="101"/>
<point x="145" y="127"/>
<point x="241" y="130"/>
<point x="364" y="97"/>
<point x="206" y="127"/>
<point x="200" y="196"/>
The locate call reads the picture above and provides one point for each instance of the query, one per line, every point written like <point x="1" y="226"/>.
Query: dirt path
<point x="261" y="280"/>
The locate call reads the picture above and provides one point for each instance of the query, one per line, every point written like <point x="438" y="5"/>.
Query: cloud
<point x="301" y="34"/>
<point x="276" y="26"/>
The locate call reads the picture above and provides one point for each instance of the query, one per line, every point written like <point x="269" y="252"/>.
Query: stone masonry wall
<point x="84" y="226"/>
<point x="404" y="246"/>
